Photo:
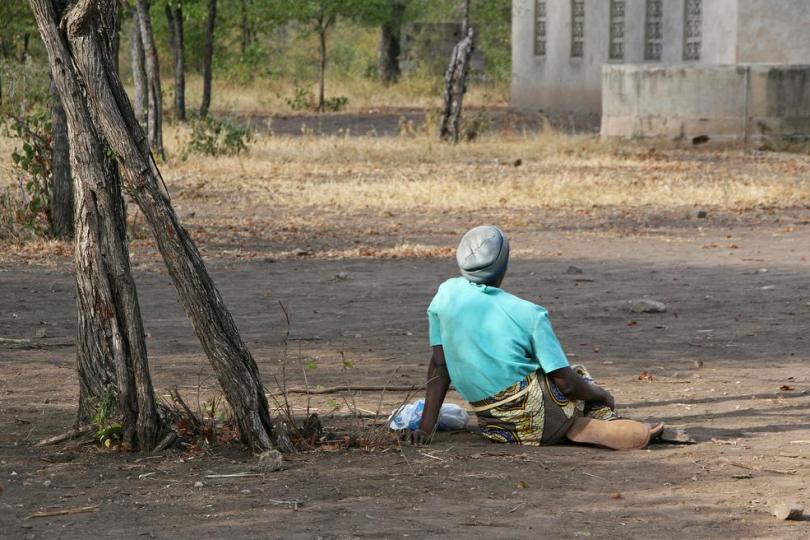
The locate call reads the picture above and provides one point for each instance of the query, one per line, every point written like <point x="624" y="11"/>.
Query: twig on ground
<point x="293" y="504"/>
<point x="63" y="512"/>
<point x="234" y="475"/>
<point x="367" y="388"/>
<point x="515" y="508"/>
<point x="66" y="436"/>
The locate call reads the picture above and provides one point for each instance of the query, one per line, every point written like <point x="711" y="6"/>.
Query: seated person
<point x="503" y="357"/>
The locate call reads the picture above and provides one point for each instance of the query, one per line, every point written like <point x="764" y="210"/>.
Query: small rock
<point x="574" y="270"/>
<point x="676" y="436"/>
<point x="702" y="214"/>
<point x="46" y="483"/>
<point x="643" y="305"/>
<point x="300" y="252"/>
<point x="270" y="461"/>
<point x="198" y="484"/>
<point x="269" y="260"/>
<point x="245" y="492"/>
<point x="41" y="333"/>
<point x="518" y="162"/>
<point x="788" y="511"/>
<point x="342" y="275"/>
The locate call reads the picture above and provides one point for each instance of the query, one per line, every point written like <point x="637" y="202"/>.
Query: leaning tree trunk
<point x="208" y="57"/>
<point x="61" y="190"/>
<point x="455" y="86"/>
<point x="116" y="44"/>
<point x="111" y="350"/>
<point x="138" y="69"/>
<point x="85" y="60"/>
<point x="174" y="15"/>
<point x="154" y="114"/>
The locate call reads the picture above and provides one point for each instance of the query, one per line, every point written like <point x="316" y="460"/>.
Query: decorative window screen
<point x="539" y="28"/>
<point x="617" y="29"/>
<point x="693" y="22"/>
<point x="654" y="31"/>
<point x="577" y="28"/>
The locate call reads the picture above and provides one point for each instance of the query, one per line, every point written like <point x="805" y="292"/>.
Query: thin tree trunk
<point x="465" y="18"/>
<point x="208" y="57"/>
<point x="105" y="96"/>
<point x="138" y="69"/>
<point x="154" y="115"/>
<point x="390" y="44"/>
<point x="247" y="28"/>
<point x="455" y="87"/>
<point x="111" y="350"/>
<point x="61" y="189"/>
<point x="174" y="15"/>
<point x="24" y="52"/>
<point x="322" y="69"/>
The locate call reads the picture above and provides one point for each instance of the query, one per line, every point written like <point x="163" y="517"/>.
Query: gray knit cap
<point x="483" y="254"/>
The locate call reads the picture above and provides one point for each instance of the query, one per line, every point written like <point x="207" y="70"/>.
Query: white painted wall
<point x="775" y="31"/>
<point x="733" y="31"/>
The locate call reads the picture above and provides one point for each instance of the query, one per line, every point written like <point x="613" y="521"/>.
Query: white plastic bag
<point x="451" y="417"/>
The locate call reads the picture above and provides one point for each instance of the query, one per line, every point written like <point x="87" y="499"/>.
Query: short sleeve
<point x="434" y="329"/>
<point x="546" y="346"/>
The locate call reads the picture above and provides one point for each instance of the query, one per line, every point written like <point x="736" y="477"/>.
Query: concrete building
<point x="560" y="47"/>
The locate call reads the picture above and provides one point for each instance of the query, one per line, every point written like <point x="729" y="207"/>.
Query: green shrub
<point x="335" y="104"/>
<point x="26" y="207"/>
<point x="301" y="100"/>
<point x="216" y="137"/>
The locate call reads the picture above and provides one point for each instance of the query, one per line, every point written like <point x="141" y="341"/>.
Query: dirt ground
<point x="728" y="361"/>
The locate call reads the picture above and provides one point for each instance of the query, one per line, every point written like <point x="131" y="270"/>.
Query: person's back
<point x="490" y="337"/>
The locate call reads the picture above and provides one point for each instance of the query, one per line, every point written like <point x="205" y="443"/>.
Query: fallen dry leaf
<point x="786" y="388"/>
<point x="632" y="323"/>
<point x="616" y="495"/>
<point x="523" y="484"/>
<point x="645" y="376"/>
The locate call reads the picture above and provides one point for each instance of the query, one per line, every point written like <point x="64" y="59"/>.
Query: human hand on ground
<point x="416" y="437"/>
<point x="608" y="400"/>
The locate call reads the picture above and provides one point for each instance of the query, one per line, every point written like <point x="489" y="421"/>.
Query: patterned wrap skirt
<point x="534" y="411"/>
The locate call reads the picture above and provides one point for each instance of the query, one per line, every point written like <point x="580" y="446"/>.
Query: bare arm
<point x="438" y="381"/>
<point x="575" y="387"/>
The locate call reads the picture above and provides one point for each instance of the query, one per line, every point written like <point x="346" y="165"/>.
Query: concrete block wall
<point x="727" y="103"/>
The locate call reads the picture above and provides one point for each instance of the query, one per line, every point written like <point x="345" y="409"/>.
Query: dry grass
<point x="407" y="196"/>
<point x="392" y="175"/>
<point x="270" y="96"/>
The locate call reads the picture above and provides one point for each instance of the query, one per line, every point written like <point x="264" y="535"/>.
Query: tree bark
<point x="208" y="57"/>
<point x="455" y="86"/>
<point x="111" y="350"/>
<point x="138" y="68"/>
<point x="105" y="96"/>
<point x="174" y="15"/>
<point x="116" y="43"/>
<point x="247" y="28"/>
<point x="390" y="44"/>
<point x="322" y="69"/>
<point x="154" y="114"/>
<point x="61" y="189"/>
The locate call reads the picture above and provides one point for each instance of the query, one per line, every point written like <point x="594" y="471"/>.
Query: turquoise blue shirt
<point x="491" y="339"/>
